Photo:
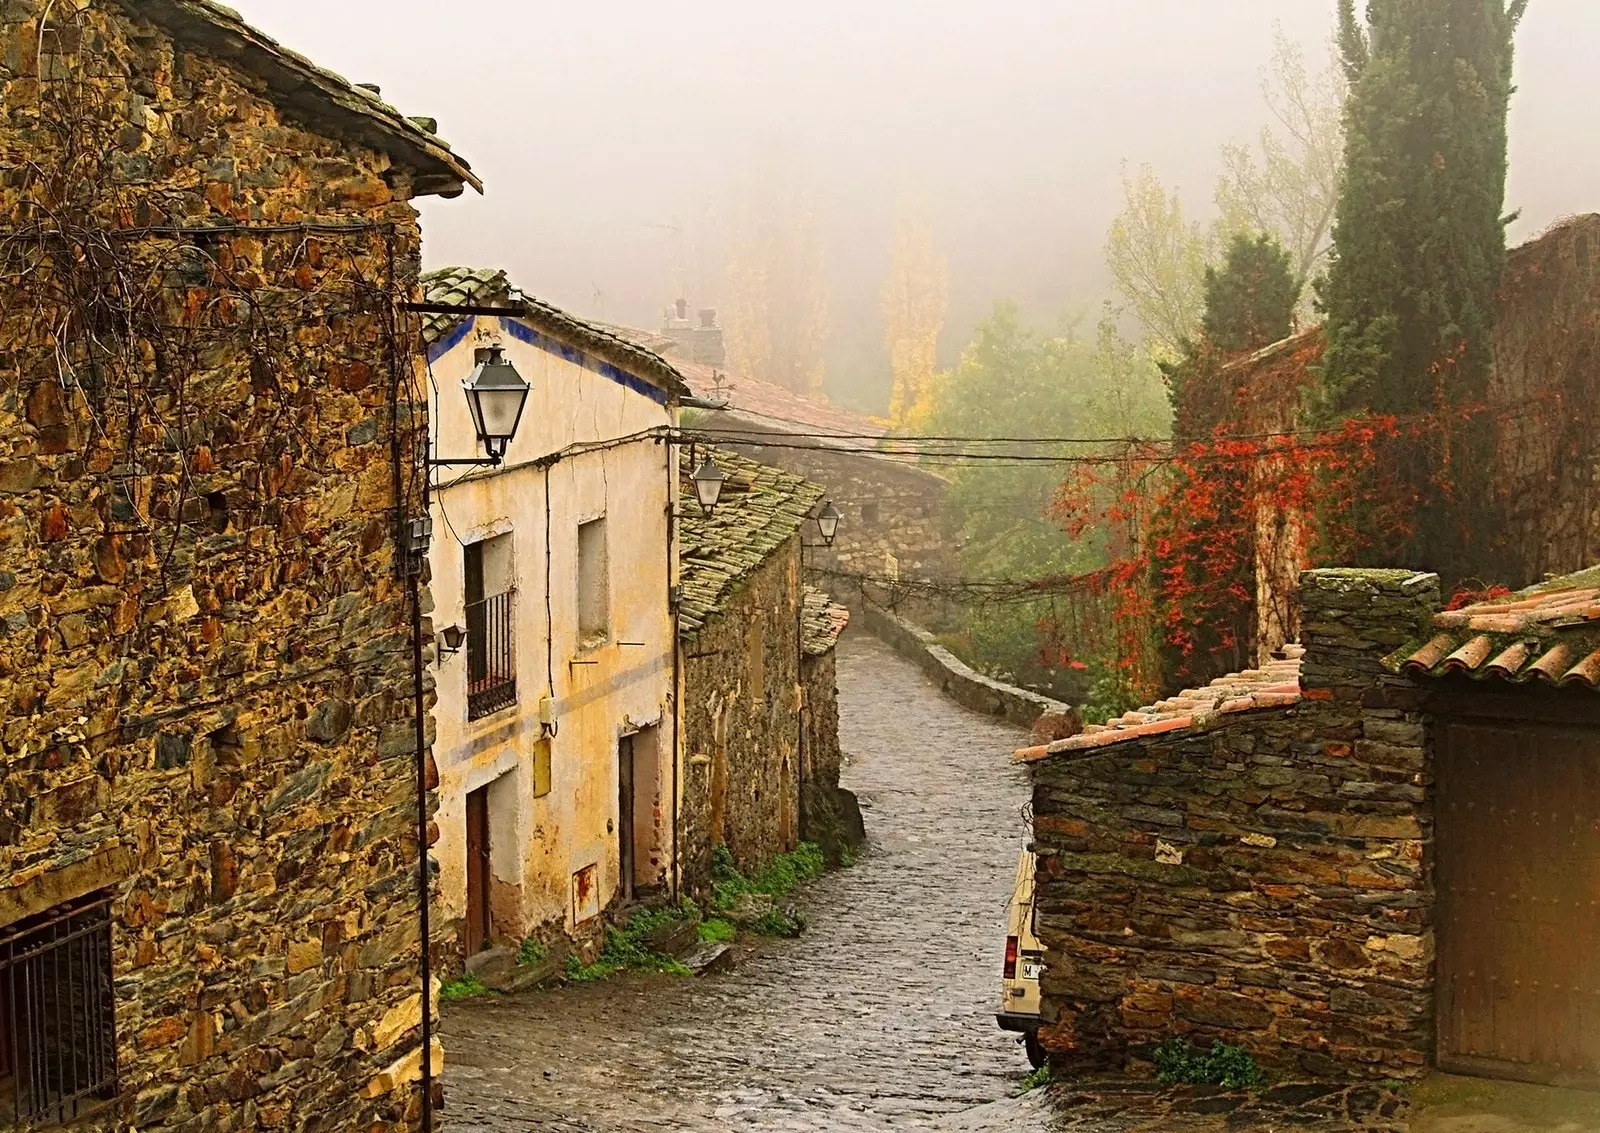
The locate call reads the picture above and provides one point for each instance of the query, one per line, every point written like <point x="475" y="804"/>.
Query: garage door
<point x="1518" y="861"/>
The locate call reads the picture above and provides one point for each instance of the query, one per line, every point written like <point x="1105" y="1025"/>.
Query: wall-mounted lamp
<point x="828" y="522"/>
<point x="496" y="395"/>
<point x="451" y="639"/>
<point x="708" y="480"/>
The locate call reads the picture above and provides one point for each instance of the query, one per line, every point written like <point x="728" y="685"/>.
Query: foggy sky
<point x="600" y="125"/>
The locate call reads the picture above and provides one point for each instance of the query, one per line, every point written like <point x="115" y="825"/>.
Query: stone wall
<point x="888" y="509"/>
<point x="741" y="724"/>
<point x="957" y="680"/>
<point x="205" y="648"/>
<point x="1259" y="878"/>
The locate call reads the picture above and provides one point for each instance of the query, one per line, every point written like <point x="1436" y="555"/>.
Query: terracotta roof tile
<point x="1275" y="685"/>
<point x="1585" y="672"/>
<point x="1536" y="634"/>
<point x="1474" y="653"/>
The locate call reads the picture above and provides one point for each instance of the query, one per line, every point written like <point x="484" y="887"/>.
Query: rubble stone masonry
<point x="1261" y="878"/>
<point x="741" y="724"/>
<point x="205" y="656"/>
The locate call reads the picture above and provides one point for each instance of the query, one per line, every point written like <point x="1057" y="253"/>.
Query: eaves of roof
<point x="1274" y="685"/>
<point x="318" y="95"/>
<point x="1547" y="634"/>
<point x="458" y="286"/>
<point x="761" y="508"/>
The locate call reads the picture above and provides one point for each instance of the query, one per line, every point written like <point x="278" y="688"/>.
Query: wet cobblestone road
<point x="879" y="1018"/>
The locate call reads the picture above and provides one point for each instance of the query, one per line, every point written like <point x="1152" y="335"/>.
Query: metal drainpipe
<point x="677" y="706"/>
<point x="424" y="888"/>
<point x="800" y="690"/>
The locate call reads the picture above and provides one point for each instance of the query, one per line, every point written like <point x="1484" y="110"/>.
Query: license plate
<point x="1032" y="971"/>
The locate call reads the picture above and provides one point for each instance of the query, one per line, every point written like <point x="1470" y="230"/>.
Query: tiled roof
<point x="761" y="507"/>
<point x="824" y="620"/>
<point x="1276" y="685"/>
<point x="776" y="408"/>
<point x="297" y="84"/>
<point x="1548" y="633"/>
<point x="487" y="286"/>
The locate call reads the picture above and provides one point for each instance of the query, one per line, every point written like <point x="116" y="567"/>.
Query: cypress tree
<point x="1249" y="304"/>
<point x="1419" y="239"/>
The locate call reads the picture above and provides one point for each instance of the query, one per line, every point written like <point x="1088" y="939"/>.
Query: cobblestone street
<point x="880" y="1017"/>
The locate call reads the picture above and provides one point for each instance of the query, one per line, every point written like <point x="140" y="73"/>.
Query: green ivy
<point x="1177" y="1062"/>
<point x="466" y="987"/>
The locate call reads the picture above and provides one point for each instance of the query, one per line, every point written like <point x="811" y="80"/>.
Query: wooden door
<point x="478" y="927"/>
<point x="625" y="862"/>
<point x="1518" y="879"/>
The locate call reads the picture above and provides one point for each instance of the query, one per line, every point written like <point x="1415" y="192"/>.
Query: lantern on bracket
<point x="708" y="480"/>
<point x="496" y="396"/>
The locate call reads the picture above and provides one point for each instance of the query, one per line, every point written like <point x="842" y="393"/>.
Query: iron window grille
<point x="58" y="1042"/>
<point x="491" y="655"/>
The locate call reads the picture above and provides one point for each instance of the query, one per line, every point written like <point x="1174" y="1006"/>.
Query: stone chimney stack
<point x="708" y="345"/>
<point x="700" y="343"/>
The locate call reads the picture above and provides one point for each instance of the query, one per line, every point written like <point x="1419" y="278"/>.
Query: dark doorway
<point x="1518" y="842"/>
<point x="625" y="802"/>
<point x="478" y="927"/>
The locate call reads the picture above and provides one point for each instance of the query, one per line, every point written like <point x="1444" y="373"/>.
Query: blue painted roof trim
<point x="524" y="333"/>
<point x="450" y="341"/>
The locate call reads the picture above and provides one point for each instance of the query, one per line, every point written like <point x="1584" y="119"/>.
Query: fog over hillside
<point x="612" y="134"/>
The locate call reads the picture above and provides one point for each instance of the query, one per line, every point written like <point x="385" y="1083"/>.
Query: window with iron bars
<point x="491" y="627"/>
<point x="491" y="655"/>
<point x="58" y="1040"/>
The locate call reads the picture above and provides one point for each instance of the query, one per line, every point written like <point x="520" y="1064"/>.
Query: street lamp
<point x="828" y="522"/>
<point x="708" y="480"/>
<point x="453" y="637"/>
<point x="496" y="394"/>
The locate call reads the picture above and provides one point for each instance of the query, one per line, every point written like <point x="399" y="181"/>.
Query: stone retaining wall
<point x="963" y="684"/>
<point x="1259" y="878"/>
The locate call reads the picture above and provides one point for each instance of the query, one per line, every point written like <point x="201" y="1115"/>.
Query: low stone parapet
<point x="959" y="681"/>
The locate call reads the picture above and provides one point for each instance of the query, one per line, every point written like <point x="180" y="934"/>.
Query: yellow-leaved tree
<point x="916" y="299"/>
<point x="777" y="313"/>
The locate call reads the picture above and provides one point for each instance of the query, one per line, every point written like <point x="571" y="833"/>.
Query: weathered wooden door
<point x="1518" y="876"/>
<point x="478" y="928"/>
<point x="625" y="849"/>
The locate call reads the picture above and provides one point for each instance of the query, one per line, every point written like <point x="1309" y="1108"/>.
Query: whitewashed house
<point x="556" y="749"/>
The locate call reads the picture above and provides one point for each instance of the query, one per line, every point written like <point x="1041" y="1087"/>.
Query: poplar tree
<point x="1419" y="240"/>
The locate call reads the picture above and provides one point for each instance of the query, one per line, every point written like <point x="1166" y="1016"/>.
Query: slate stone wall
<point x="1262" y="879"/>
<point x="741" y="724"/>
<point x="205" y="656"/>
<point x="887" y="509"/>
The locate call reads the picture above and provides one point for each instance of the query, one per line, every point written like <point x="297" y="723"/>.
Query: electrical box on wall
<point x="547" y="711"/>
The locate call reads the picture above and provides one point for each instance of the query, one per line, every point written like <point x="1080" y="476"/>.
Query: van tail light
<point x="1011" y="958"/>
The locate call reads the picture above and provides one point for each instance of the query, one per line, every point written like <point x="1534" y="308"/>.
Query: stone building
<point x="1542" y="412"/>
<point x="557" y="741"/>
<point x="1305" y="860"/>
<point x="209" y="422"/>
<point x="760" y="710"/>
<point x="893" y="508"/>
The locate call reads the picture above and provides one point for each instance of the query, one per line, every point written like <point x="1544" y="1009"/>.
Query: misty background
<point x="612" y="135"/>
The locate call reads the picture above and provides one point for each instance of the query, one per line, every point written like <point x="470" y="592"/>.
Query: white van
<point x="1024" y="963"/>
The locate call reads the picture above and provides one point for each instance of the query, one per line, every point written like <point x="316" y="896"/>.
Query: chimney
<point x="676" y="326"/>
<point x="708" y="348"/>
